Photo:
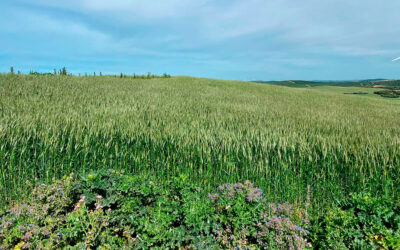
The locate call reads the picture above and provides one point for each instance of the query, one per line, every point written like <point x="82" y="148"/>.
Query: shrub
<point x="388" y="93"/>
<point x="361" y="222"/>
<point x="247" y="220"/>
<point x="114" y="210"/>
<point x="35" y="222"/>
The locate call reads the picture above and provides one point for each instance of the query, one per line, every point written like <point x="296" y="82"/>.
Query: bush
<point x="35" y="223"/>
<point x="110" y="209"/>
<point x="361" y="222"/>
<point x="388" y="93"/>
<point x="114" y="210"/>
<point x="246" y="220"/>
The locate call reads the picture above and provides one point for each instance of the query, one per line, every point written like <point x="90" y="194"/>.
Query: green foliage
<point x="110" y="209"/>
<point x="12" y="70"/>
<point x="246" y="220"/>
<point x="34" y="223"/>
<point x="388" y="93"/>
<point x="141" y="212"/>
<point x="360" y="222"/>
<point x="63" y="71"/>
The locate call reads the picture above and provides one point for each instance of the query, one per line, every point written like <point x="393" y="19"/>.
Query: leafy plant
<point x="110" y="209"/>
<point x="247" y="220"/>
<point x="361" y="222"/>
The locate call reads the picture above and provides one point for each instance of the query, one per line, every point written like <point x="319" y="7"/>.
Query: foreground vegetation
<point x="282" y="139"/>
<point x="110" y="209"/>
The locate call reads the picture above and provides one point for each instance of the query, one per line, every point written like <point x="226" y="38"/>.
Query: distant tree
<point x="134" y="75"/>
<point x="19" y="72"/>
<point x="94" y="73"/>
<point x="12" y="70"/>
<point x="85" y="74"/>
<point x="63" y="71"/>
<point x="148" y="75"/>
<point x="101" y="74"/>
<point x="55" y="72"/>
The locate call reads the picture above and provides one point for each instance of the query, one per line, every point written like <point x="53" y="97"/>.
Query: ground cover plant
<point x="360" y="221"/>
<point x="109" y="209"/>
<point x="283" y="139"/>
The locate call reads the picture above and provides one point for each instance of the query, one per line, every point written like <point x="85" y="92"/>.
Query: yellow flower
<point x="18" y="247"/>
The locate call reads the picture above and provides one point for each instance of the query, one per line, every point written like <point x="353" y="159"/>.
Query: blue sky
<point x="228" y="39"/>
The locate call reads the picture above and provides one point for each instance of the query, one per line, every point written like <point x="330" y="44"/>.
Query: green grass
<point x="281" y="138"/>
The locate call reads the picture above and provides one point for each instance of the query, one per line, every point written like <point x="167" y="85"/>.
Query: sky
<point x="226" y="39"/>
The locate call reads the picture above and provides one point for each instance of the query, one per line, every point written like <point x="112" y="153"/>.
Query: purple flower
<point x="99" y="197"/>
<point x="213" y="196"/>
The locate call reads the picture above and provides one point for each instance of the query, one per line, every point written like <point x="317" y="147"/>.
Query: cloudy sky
<point x="229" y="39"/>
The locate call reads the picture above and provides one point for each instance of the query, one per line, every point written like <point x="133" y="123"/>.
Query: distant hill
<point x="359" y="83"/>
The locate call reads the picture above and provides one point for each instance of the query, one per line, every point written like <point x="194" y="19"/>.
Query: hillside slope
<point x="215" y="131"/>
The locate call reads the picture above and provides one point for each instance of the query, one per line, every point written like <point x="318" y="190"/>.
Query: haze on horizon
<point x="243" y="40"/>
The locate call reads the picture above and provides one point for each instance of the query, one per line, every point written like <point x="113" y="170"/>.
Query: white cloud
<point x="362" y="23"/>
<point x="264" y="32"/>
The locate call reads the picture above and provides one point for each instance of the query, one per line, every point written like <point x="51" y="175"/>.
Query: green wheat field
<point x="214" y="131"/>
